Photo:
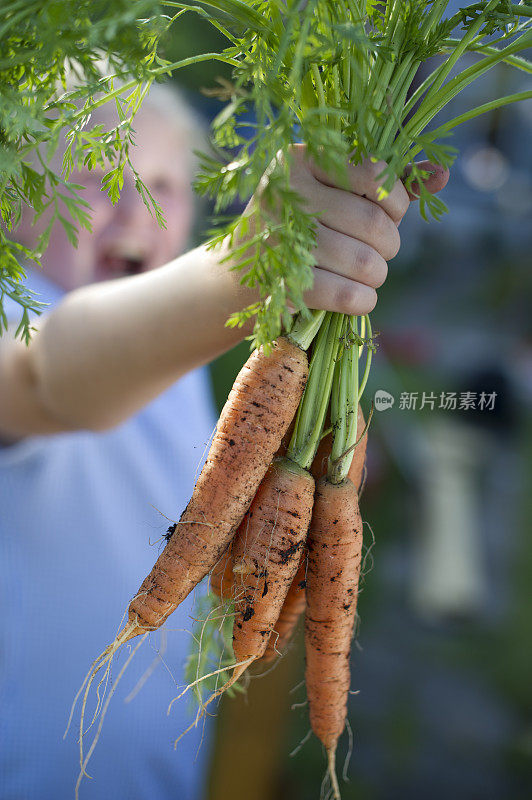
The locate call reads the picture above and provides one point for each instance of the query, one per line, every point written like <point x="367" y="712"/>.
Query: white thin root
<point x="103" y="660"/>
<point x="239" y="669"/>
<point x="151" y="669"/>
<point x="331" y="759"/>
<point x="298" y="705"/>
<point x="349" y="751"/>
<point x="76" y="698"/>
<point x="227" y="685"/>
<point x="301" y="744"/>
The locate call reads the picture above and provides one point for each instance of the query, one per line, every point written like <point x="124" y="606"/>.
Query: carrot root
<point x="335" y="552"/>
<point x="295" y="601"/>
<point x="219" y="671"/>
<point x="239" y="670"/>
<point x="260" y="407"/>
<point x="105" y="659"/>
<point x="331" y="769"/>
<point x="267" y="552"/>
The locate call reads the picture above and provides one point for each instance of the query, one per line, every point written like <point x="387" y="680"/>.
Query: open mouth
<point x="115" y="265"/>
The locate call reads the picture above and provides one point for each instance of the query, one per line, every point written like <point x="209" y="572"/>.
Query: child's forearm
<point x="110" y="348"/>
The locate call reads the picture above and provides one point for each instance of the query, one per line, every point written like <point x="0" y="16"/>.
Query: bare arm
<point x="110" y="348"/>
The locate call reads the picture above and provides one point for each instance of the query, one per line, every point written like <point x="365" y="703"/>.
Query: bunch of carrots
<point x="298" y="550"/>
<point x="274" y="516"/>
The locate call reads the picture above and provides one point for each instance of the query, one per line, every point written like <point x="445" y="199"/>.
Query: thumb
<point x="435" y="182"/>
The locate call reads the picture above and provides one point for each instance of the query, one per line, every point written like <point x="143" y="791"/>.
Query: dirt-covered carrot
<point x="256" y="416"/>
<point x="221" y="583"/>
<point x="334" y="560"/>
<point x="293" y="607"/>
<point x="251" y="580"/>
<point x="258" y="411"/>
<point x="264" y="565"/>
<point x="294" y="604"/>
<point x="267" y="548"/>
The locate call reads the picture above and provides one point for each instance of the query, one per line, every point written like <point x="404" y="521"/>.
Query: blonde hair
<point x="170" y="103"/>
<point x="164" y="99"/>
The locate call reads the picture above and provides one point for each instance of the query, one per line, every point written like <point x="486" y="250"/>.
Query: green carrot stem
<point x="239" y="10"/>
<point x="514" y="61"/>
<point x="295" y="72"/>
<point x="382" y="69"/>
<point x="344" y="412"/>
<point x="305" y="328"/>
<point x="399" y="91"/>
<point x="313" y="407"/>
<point x="337" y="100"/>
<point x="369" y="358"/>
<point x="320" y="89"/>
<point x="434" y="16"/>
<point x="305" y="413"/>
<point x="462" y="47"/>
<point x="430" y="107"/>
<point x="476" y="112"/>
<point x="421" y="89"/>
<point x="305" y="420"/>
<point x="362" y="334"/>
<point x="521" y="11"/>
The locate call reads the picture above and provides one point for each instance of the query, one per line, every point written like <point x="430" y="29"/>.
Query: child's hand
<point x="357" y="233"/>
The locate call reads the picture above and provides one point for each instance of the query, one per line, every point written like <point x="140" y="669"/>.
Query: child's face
<point x="126" y="238"/>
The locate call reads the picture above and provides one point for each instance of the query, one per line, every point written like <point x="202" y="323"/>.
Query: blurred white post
<point x="449" y="577"/>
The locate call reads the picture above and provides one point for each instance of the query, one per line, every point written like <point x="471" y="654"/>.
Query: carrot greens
<point x="337" y="75"/>
<point x="334" y="74"/>
<point x="51" y="79"/>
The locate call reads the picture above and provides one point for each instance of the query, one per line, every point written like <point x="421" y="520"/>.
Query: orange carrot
<point x="256" y="416"/>
<point x="266" y="553"/>
<point x="222" y="574"/>
<point x="335" y="551"/>
<point x="258" y="411"/>
<point x="294" y="604"/>
<point x="222" y="577"/>
<point x="293" y="607"/>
